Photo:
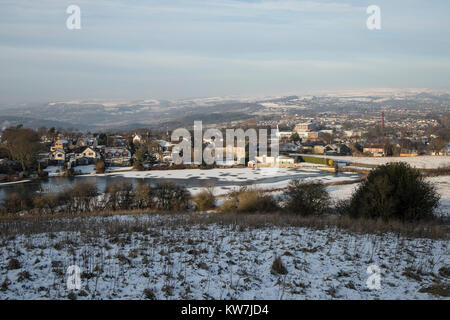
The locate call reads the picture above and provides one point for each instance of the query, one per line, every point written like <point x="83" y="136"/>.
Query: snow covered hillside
<point x="178" y="257"/>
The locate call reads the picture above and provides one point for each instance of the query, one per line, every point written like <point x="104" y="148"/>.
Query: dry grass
<point x="148" y="256"/>
<point x="441" y="171"/>
<point x="434" y="229"/>
<point x="278" y="267"/>
<point x="13" y="264"/>
<point x="437" y="289"/>
<point x="445" y="272"/>
<point x="247" y="200"/>
<point x="205" y="200"/>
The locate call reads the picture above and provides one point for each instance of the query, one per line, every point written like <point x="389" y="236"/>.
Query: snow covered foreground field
<point x="179" y="257"/>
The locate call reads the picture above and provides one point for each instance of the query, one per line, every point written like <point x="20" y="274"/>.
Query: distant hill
<point x="151" y="113"/>
<point x="12" y="121"/>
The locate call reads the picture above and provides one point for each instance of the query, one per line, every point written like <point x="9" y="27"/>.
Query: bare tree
<point x="23" y="145"/>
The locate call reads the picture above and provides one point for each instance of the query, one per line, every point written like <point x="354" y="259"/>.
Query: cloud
<point x="202" y="47"/>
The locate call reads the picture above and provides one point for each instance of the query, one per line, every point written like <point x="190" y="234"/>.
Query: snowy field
<point x="442" y="184"/>
<point x="421" y="162"/>
<point x="225" y="180"/>
<point x="179" y="257"/>
<point x="55" y="171"/>
<point x="166" y="257"/>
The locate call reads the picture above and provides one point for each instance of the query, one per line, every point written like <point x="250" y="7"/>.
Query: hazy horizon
<point x="132" y="50"/>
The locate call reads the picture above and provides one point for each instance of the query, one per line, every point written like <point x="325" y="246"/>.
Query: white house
<point x="137" y="139"/>
<point x="86" y="155"/>
<point x="58" y="155"/>
<point x="283" y="134"/>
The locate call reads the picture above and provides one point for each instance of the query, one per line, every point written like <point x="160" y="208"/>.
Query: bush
<point x="205" y="200"/>
<point x="278" y="267"/>
<point x="13" y="264"/>
<point x="169" y="196"/>
<point x="256" y="201"/>
<point x="249" y="201"/>
<point x="149" y="294"/>
<point x="39" y="203"/>
<point x="69" y="172"/>
<point x="307" y="198"/>
<point x="394" y="191"/>
<point x="16" y="202"/>
<point x="84" y="196"/>
<point x="42" y="174"/>
<point x="143" y="196"/>
<point x="99" y="166"/>
<point x="52" y="201"/>
<point x="46" y="203"/>
<point x="80" y="198"/>
<point x="119" y="196"/>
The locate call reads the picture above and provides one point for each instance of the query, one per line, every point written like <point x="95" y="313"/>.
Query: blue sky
<point x="189" y="48"/>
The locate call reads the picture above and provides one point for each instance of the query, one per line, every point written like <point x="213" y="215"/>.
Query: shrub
<point x="149" y="294"/>
<point x="169" y="196"/>
<point x="438" y="289"/>
<point x="143" y="196"/>
<point x="16" y="202"/>
<point x="256" y="201"/>
<point x="394" y="191"/>
<point x="72" y="295"/>
<point x="69" y="172"/>
<point x="81" y="197"/>
<point x="140" y="158"/>
<point x="205" y="200"/>
<point x="52" y="201"/>
<point x="39" y="203"/>
<point x="307" y="198"/>
<point x="138" y="167"/>
<point x="23" y="275"/>
<point x="119" y="196"/>
<point x="13" y="264"/>
<point x="85" y="194"/>
<point x="228" y="206"/>
<point x="278" y="267"/>
<point x="5" y="284"/>
<point x="249" y="201"/>
<point x="99" y="166"/>
<point x="42" y="174"/>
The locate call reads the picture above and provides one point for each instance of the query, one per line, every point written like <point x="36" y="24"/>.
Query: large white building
<point x="306" y="130"/>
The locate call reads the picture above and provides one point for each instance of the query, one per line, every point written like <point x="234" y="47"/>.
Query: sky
<point x="171" y="49"/>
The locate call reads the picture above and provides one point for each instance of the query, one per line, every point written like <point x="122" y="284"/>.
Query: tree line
<point x="86" y="198"/>
<point x="394" y="191"/>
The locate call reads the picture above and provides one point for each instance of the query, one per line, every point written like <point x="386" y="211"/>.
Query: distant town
<point x="315" y="126"/>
